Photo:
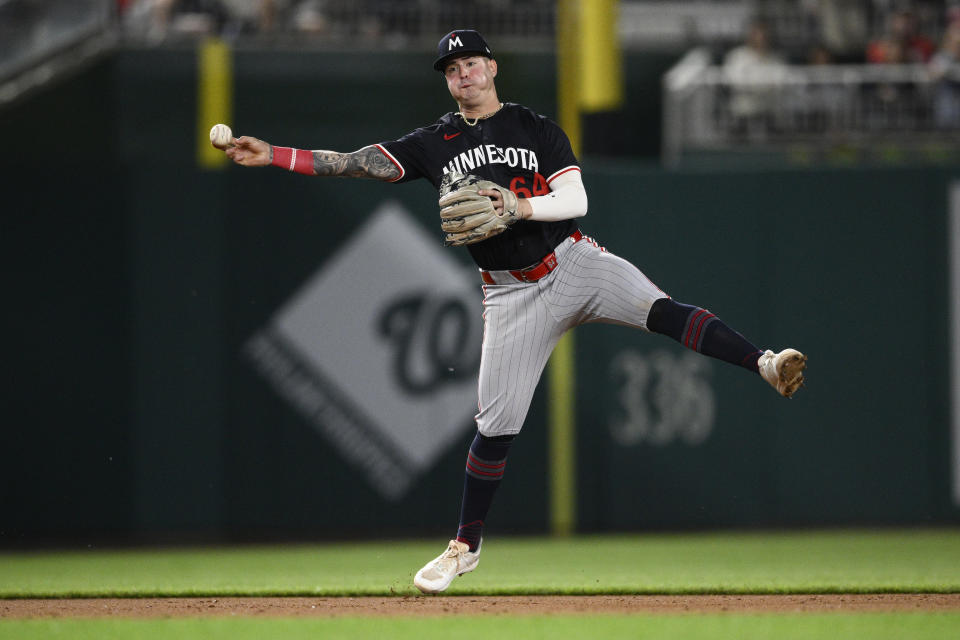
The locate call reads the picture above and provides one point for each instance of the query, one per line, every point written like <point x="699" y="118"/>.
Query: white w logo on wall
<point x="379" y="350"/>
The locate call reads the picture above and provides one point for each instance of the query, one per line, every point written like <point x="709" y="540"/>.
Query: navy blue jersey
<point x="515" y="148"/>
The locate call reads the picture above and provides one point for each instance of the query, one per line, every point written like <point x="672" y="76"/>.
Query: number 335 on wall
<point x="662" y="397"/>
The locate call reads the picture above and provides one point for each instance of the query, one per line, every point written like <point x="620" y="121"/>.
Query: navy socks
<point x="700" y="330"/>
<point x="485" y="464"/>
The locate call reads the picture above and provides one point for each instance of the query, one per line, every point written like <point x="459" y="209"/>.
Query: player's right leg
<point x="436" y="575"/>
<point x="486" y="462"/>
<point x="519" y="335"/>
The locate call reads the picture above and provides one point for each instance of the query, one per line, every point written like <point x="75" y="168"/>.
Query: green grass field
<point x="804" y="562"/>
<point x="709" y="563"/>
<point x="909" y="626"/>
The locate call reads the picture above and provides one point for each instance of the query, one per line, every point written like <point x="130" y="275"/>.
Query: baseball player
<point x="511" y="192"/>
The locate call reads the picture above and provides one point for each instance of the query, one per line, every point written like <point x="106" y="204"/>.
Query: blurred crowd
<point x="782" y="35"/>
<point x="784" y="31"/>
<point x="855" y="31"/>
<point x="160" y="19"/>
<point x="756" y="69"/>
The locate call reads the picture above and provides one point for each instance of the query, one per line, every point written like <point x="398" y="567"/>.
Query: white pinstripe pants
<point x="523" y="321"/>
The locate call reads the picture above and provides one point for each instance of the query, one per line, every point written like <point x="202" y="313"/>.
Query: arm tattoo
<point x="368" y="162"/>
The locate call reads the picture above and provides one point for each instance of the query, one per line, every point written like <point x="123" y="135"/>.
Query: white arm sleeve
<point x="567" y="199"/>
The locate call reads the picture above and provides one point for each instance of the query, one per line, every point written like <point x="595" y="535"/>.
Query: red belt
<point x="537" y="271"/>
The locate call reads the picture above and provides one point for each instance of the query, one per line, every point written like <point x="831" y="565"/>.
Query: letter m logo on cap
<point x="454" y="40"/>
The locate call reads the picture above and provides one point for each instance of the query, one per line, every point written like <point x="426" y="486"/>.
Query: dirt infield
<point x="470" y="605"/>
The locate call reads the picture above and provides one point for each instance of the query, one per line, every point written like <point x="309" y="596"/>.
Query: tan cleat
<point x="784" y="370"/>
<point x="437" y="575"/>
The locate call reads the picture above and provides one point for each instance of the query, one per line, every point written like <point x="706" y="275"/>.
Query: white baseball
<point x="221" y="136"/>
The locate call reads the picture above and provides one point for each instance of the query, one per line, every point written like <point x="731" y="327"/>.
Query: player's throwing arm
<point x="368" y="162"/>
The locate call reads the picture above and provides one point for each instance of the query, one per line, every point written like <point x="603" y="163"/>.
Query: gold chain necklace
<point x="478" y="118"/>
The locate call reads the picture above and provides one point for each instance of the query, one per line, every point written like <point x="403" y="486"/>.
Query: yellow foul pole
<point x="560" y="373"/>
<point x="589" y="78"/>
<point x="214" y="98"/>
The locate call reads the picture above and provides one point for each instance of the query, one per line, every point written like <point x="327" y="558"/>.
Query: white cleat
<point x="784" y="370"/>
<point x="457" y="560"/>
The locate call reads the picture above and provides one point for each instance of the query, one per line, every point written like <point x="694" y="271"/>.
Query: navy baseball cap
<point x="458" y="43"/>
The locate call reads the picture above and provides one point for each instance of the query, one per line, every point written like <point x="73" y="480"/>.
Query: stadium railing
<point x="858" y="106"/>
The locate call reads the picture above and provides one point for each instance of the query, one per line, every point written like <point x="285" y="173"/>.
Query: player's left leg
<point x="702" y="331"/>
<point x="622" y="294"/>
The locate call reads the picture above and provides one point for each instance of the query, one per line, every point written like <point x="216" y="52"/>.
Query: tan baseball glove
<point x="468" y="217"/>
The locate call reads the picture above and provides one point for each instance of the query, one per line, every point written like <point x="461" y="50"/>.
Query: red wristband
<point x="293" y="160"/>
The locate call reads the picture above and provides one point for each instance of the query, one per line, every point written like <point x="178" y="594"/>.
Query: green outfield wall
<point x="234" y="354"/>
